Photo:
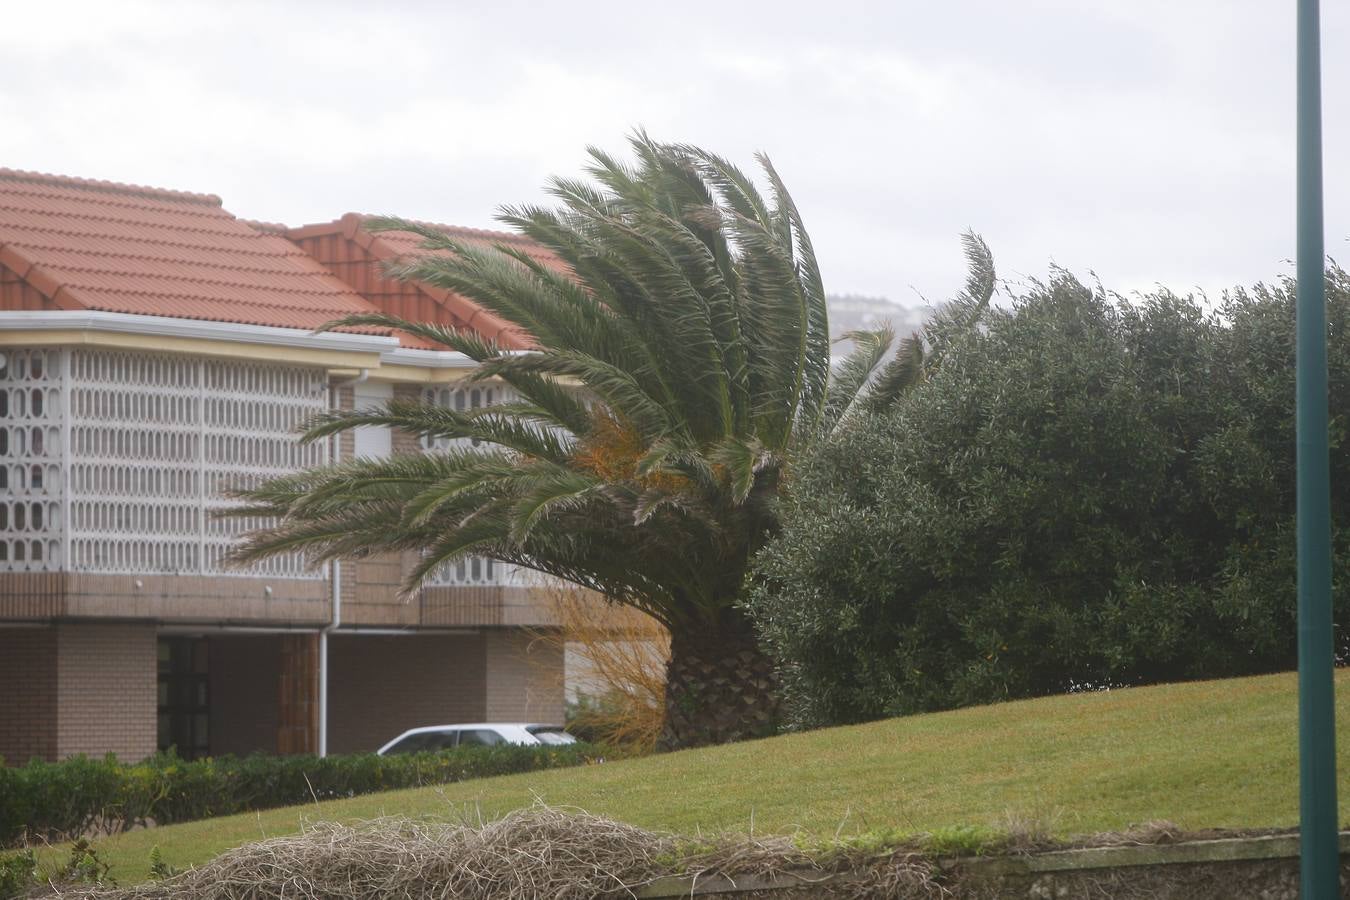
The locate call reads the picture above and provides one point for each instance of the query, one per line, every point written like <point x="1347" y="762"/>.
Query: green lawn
<point x="1208" y="754"/>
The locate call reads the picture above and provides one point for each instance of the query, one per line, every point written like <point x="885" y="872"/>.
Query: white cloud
<point x="1151" y="140"/>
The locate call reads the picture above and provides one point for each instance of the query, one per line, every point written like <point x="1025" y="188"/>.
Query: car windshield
<point x="548" y="734"/>
<point x="426" y="742"/>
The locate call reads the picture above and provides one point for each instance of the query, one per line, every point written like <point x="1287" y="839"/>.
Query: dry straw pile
<point x="535" y="854"/>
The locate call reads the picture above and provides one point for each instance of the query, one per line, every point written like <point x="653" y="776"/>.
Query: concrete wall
<point x="106" y="696"/>
<point x="524" y="677"/>
<point x="27" y="694"/>
<point x="244" y="674"/>
<point x="380" y="686"/>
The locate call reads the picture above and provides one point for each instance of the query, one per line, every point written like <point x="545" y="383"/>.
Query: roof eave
<point x="201" y="329"/>
<point x="370" y="351"/>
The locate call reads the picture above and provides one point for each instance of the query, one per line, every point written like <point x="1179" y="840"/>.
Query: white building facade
<point x="155" y="353"/>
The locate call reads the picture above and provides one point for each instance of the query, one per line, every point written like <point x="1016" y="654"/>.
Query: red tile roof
<point x="407" y="243"/>
<point x="360" y="265"/>
<point x="86" y="244"/>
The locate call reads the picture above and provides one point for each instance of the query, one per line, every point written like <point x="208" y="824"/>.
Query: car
<point x="477" y="734"/>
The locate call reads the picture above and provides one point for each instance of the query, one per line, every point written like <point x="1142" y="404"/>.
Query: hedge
<point x="60" y="801"/>
<point x="1090" y="492"/>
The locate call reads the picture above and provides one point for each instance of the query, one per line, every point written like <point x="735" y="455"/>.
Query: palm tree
<point x="675" y="370"/>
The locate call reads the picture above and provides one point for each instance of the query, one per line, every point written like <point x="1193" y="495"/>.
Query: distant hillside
<point x="852" y="312"/>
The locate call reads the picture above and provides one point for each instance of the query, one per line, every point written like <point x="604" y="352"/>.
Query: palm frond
<point x="553" y="490"/>
<point x="678" y="354"/>
<point x="740" y="460"/>
<point x="612" y="384"/>
<point x="428" y="420"/>
<point x="852" y="377"/>
<point x="899" y="375"/>
<point x="462" y="340"/>
<point x="952" y="321"/>
<point x="947" y="328"/>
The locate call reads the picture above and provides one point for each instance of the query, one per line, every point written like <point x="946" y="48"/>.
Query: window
<point x="372" y="441"/>
<point x="552" y="736"/>
<point x="480" y="737"/>
<point x="413" y="743"/>
<point x="184" y="696"/>
<point x="426" y="742"/>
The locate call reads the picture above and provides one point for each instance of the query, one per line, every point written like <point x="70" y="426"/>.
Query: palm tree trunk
<point x="719" y="685"/>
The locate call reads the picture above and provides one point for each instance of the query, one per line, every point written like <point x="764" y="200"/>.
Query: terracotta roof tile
<point x="133" y="249"/>
<point x="389" y="246"/>
<point x="407" y="243"/>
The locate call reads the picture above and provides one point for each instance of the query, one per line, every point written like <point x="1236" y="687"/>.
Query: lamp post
<point x="1319" y="852"/>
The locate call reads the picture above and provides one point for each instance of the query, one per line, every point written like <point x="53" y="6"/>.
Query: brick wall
<point x="370" y="586"/>
<point x="404" y="442"/>
<point x="524" y="677"/>
<point x="380" y="686"/>
<point x="32" y="595"/>
<point x="27" y="694"/>
<point x="245" y="672"/>
<point x="106" y="680"/>
<point x="370" y="593"/>
<point x="43" y="595"/>
<point x="346" y="448"/>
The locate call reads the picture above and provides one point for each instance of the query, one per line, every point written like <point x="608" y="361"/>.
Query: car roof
<point x="462" y="726"/>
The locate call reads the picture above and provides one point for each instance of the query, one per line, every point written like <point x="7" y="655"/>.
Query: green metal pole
<point x="1316" y="706"/>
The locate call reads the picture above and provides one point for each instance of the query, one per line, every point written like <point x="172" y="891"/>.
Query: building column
<point x="28" y="697"/>
<point x="106" y="679"/>
<point x="298" y="694"/>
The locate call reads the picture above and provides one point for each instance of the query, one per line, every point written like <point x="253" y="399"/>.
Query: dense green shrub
<point x="1090" y="492"/>
<point x="79" y="795"/>
<point x="18" y="873"/>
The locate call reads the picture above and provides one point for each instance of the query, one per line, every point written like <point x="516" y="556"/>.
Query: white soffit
<point x="387" y="347"/>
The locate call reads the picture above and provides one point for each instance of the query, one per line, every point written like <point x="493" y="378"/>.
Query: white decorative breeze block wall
<point x="30" y="461"/>
<point x="253" y="414"/>
<point x="468" y="570"/>
<point x="138" y="451"/>
<point x="463" y="399"/>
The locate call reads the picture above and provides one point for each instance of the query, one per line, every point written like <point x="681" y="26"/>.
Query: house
<point x="156" y="351"/>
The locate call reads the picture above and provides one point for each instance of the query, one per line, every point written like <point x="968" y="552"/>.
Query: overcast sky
<point x="1149" y="141"/>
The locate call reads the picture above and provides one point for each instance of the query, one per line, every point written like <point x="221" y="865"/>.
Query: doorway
<point x="184" y="692"/>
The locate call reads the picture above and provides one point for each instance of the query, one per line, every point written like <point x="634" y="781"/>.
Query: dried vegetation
<point x="535" y="854"/>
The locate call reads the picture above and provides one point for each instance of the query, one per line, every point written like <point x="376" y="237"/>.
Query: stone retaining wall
<point x="1262" y="868"/>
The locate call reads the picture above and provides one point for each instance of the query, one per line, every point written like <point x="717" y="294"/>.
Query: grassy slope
<point x="1209" y="754"/>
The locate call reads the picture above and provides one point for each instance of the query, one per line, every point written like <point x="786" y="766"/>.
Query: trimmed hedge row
<point x="60" y="801"/>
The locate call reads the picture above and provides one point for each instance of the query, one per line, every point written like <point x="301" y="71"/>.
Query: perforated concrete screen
<point x="30" y="461"/>
<point x="470" y="570"/>
<point x="137" y="451"/>
<point x="463" y="399"/>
